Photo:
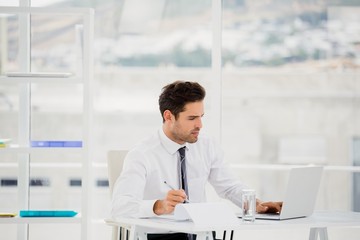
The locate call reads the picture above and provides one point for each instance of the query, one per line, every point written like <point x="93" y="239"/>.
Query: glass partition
<point x="291" y="89"/>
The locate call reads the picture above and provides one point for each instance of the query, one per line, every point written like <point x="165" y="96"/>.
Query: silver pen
<point x="172" y="188"/>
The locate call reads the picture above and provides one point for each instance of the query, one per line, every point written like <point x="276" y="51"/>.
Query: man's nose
<point x="198" y="123"/>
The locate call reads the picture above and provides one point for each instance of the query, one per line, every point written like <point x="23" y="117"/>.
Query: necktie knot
<point x="182" y="153"/>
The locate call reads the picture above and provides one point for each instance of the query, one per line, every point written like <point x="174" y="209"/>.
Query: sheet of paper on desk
<point x="172" y="217"/>
<point x="207" y="214"/>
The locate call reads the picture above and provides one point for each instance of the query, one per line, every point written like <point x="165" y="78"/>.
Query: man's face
<point x="187" y="127"/>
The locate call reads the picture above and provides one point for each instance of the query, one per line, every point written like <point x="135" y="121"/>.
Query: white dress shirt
<point x="156" y="160"/>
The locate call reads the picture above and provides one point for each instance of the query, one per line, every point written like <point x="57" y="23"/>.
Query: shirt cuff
<point x="147" y="208"/>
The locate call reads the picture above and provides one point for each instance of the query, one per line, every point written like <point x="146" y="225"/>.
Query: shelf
<point x="49" y="80"/>
<point x="47" y="10"/>
<point x="49" y="165"/>
<point x="19" y="220"/>
<point x="31" y="150"/>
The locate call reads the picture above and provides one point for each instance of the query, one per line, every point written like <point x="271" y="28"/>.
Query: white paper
<point x="207" y="214"/>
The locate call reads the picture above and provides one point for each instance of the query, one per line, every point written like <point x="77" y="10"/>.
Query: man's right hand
<point x="167" y="205"/>
<point x="268" y="207"/>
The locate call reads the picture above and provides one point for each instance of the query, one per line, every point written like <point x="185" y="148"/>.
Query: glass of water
<point x="248" y="205"/>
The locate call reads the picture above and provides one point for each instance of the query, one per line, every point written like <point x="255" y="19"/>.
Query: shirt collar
<point x="169" y="145"/>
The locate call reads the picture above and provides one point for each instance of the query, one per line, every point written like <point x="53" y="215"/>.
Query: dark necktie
<point x="183" y="176"/>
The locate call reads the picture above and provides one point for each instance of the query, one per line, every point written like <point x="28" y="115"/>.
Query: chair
<point x="115" y="162"/>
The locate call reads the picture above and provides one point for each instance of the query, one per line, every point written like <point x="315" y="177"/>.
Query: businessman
<point x="173" y="166"/>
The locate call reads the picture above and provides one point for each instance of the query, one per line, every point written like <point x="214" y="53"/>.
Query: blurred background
<point x="287" y="94"/>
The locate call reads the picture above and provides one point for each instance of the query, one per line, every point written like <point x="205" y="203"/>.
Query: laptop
<point x="300" y="196"/>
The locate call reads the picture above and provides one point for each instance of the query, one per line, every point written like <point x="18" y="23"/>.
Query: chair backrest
<point x="115" y="161"/>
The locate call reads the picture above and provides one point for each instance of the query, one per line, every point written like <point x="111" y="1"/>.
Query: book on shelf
<point x="7" y="214"/>
<point x="4" y="142"/>
<point x="65" y="144"/>
<point x="47" y="213"/>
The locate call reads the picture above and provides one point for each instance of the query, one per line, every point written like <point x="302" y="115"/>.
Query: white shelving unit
<point x="20" y="220"/>
<point x="23" y="150"/>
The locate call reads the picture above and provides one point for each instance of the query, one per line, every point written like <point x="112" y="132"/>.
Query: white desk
<point x="317" y="223"/>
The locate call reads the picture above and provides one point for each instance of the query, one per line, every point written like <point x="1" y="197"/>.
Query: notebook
<point x="300" y="195"/>
<point x="47" y="213"/>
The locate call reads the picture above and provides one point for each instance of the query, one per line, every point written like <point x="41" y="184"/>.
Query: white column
<point x="87" y="77"/>
<point x="216" y="68"/>
<point x="24" y="117"/>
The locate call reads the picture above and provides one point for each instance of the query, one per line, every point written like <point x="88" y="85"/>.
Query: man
<point x="151" y="184"/>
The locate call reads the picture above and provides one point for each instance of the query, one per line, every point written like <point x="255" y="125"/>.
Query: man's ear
<point x="167" y="115"/>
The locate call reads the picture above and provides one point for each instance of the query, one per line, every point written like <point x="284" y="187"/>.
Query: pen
<point x="171" y="187"/>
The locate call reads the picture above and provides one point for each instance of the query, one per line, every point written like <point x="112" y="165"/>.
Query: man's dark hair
<point x="176" y="95"/>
